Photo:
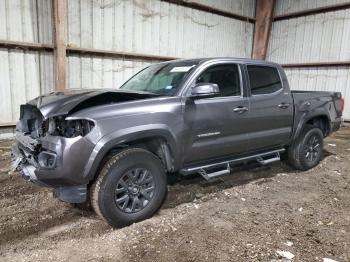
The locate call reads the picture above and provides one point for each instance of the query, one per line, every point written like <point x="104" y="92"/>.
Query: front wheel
<point x="131" y="187"/>
<point x="307" y="151"/>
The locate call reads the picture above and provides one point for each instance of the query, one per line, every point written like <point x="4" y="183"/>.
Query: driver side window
<point x="226" y="76"/>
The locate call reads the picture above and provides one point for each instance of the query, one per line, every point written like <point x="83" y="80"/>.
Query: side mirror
<point x="205" y="89"/>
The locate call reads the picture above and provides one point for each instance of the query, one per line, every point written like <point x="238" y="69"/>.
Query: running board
<point x="208" y="176"/>
<point x="265" y="161"/>
<point x="204" y="171"/>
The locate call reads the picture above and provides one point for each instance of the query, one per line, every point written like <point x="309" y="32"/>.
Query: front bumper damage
<point x="54" y="162"/>
<point x="19" y="163"/>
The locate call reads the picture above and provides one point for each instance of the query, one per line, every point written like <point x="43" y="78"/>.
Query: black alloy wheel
<point x="134" y="190"/>
<point x="312" y="148"/>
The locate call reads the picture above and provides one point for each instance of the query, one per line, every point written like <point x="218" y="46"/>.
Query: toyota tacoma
<point x="114" y="148"/>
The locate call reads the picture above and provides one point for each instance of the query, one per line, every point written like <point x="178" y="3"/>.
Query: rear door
<point x="217" y="124"/>
<point x="271" y="108"/>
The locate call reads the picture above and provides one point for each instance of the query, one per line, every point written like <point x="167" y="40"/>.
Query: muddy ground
<point x="247" y="216"/>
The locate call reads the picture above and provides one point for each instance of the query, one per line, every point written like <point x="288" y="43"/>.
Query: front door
<point x="217" y="124"/>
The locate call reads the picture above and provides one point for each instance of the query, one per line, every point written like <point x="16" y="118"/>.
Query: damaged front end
<point x="27" y="148"/>
<point x="48" y="151"/>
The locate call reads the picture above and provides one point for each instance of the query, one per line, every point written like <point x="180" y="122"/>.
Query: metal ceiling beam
<point x="262" y="30"/>
<point x="8" y="125"/>
<point x="212" y="10"/>
<point x="81" y="50"/>
<point x="25" y="46"/>
<point x="318" y="64"/>
<point x="111" y="54"/>
<point x="313" y="11"/>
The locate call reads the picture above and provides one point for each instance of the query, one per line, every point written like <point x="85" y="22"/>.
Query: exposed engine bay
<point x="47" y="120"/>
<point x="33" y="124"/>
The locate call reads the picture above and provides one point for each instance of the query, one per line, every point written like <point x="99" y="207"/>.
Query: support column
<point x="60" y="63"/>
<point x="263" y="23"/>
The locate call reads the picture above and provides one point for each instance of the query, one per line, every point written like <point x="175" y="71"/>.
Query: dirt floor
<point x="247" y="216"/>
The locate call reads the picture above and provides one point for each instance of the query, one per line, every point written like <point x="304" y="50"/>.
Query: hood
<point x="69" y="101"/>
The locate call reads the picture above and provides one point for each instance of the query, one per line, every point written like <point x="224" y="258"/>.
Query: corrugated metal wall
<point x="24" y="74"/>
<point x="315" y="38"/>
<point x="97" y="72"/>
<point x="155" y="27"/>
<point x="135" y="26"/>
<point x="241" y="7"/>
<point x="149" y="27"/>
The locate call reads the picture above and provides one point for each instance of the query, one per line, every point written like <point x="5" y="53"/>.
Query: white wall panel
<point x="316" y="38"/>
<point x="241" y="7"/>
<point x="155" y="27"/>
<point x="323" y="79"/>
<point x="96" y="72"/>
<point x="26" y="20"/>
<point x="24" y="75"/>
<point x="290" y="6"/>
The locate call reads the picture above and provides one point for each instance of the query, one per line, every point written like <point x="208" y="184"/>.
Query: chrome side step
<point x="268" y="160"/>
<point x="207" y="175"/>
<point x="204" y="171"/>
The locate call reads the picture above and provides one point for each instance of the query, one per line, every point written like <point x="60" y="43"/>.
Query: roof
<point x="233" y="59"/>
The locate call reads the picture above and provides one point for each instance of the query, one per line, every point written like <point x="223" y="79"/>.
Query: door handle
<point x="283" y="105"/>
<point x="240" y="109"/>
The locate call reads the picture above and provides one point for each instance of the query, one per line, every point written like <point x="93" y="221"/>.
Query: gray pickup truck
<point x="115" y="148"/>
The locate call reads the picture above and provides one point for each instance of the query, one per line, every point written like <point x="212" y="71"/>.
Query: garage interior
<point x="50" y="46"/>
<point x="57" y="45"/>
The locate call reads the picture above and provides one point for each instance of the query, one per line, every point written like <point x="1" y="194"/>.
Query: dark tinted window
<point x="225" y="76"/>
<point x="263" y="80"/>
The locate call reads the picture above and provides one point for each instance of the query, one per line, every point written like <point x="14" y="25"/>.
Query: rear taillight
<point x="342" y="104"/>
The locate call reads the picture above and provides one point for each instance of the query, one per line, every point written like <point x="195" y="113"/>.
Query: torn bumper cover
<point x="54" y="162"/>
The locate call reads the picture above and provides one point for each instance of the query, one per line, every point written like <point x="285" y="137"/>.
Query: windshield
<point x="160" y="79"/>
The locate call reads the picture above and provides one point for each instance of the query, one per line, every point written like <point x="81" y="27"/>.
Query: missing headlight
<point x="59" y="126"/>
<point x="78" y="127"/>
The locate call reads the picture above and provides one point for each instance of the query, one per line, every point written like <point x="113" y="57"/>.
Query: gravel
<point x="249" y="215"/>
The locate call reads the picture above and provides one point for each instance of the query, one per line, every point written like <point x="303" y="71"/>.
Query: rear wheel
<point x="131" y="187"/>
<point x="307" y="151"/>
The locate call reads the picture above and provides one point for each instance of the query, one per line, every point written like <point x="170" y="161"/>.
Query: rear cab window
<point x="263" y="79"/>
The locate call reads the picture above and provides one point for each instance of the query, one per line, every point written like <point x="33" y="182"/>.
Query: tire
<point x="307" y="151"/>
<point x="131" y="187"/>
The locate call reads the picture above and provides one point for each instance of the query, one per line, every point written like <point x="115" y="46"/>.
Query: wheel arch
<point x="318" y="119"/>
<point x="159" y="141"/>
<point x="322" y="122"/>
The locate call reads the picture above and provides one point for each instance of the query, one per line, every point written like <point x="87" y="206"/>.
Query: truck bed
<point x="308" y="103"/>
